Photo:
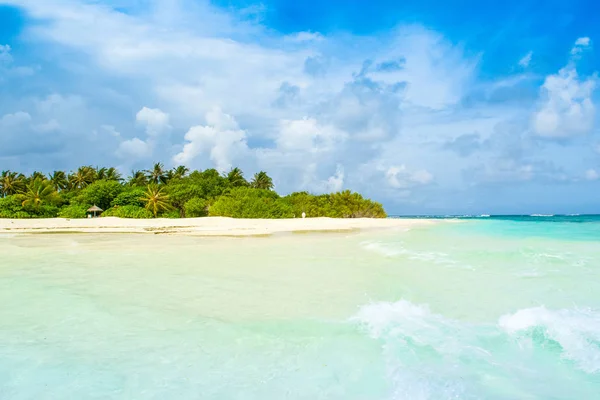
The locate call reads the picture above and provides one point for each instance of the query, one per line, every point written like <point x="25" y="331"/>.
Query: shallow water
<point x="497" y="309"/>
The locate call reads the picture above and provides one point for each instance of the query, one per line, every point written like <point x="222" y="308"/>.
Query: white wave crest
<point x="577" y="331"/>
<point x="410" y="333"/>
<point x="396" y="249"/>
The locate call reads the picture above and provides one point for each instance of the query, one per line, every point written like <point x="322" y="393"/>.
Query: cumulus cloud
<point x="336" y="181"/>
<point x="399" y="177"/>
<point x="154" y="120"/>
<point x="134" y="148"/>
<point x="580" y="45"/>
<point x="221" y="139"/>
<point x="308" y="135"/>
<point x="567" y="106"/>
<point x="155" y="123"/>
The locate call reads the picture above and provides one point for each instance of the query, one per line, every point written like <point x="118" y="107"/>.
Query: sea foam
<point x="577" y="331"/>
<point x="397" y="249"/>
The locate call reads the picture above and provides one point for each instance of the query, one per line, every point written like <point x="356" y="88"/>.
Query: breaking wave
<point x="577" y="331"/>
<point x="429" y="356"/>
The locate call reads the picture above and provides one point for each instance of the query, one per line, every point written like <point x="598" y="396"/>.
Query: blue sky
<point x="427" y="106"/>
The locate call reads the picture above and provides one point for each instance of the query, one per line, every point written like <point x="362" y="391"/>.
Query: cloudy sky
<point x="427" y="107"/>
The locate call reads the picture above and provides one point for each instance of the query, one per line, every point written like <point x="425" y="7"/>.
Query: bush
<point x="130" y="197"/>
<point x="128" y="212"/>
<point x="101" y="193"/>
<point x="251" y="203"/>
<point x="196" y="208"/>
<point x="169" y="214"/>
<point x="10" y="206"/>
<point x="74" y="211"/>
<point x="344" y="204"/>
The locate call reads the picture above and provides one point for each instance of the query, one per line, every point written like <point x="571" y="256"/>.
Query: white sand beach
<point x="208" y="226"/>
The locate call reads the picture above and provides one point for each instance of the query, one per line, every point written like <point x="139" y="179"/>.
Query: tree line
<point x="168" y="193"/>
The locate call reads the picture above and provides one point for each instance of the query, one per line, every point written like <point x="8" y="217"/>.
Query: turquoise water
<point x="478" y="309"/>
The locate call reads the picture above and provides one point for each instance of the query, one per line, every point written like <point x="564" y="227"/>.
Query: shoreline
<point x="205" y="226"/>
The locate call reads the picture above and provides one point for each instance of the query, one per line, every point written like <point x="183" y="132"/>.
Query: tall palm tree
<point x="82" y="177"/>
<point x="236" y="177"/>
<point x="11" y="183"/>
<point x="36" y="175"/>
<point x="112" y="174"/>
<point x="59" y="180"/>
<point x="180" y="171"/>
<point x="37" y="193"/>
<point x="155" y="199"/>
<point x="137" y="178"/>
<point x="157" y="174"/>
<point x="262" y="181"/>
<point x="100" y="173"/>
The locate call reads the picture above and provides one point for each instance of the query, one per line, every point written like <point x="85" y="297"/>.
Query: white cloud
<point x="134" y="148"/>
<point x="399" y="177"/>
<point x="582" y="41"/>
<point x="12" y="120"/>
<point x="111" y="130"/>
<point x="591" y="175"/>
<point x="336" y="181"/>
<point x="308" y="135"/>
<point x="155" y="121"/>
<point x="580" y="45"/>
<point x="567" y="107"/>
<point x="524" y="62"/>
<point x="220" y="138"/>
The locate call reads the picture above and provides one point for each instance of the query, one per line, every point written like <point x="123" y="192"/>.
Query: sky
<point x="428" y="106"/>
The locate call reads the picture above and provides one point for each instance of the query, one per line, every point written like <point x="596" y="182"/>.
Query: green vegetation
<point x="174" y="193"/>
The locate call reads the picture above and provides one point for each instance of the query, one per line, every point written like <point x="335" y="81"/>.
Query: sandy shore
<point x="210" y="226"/>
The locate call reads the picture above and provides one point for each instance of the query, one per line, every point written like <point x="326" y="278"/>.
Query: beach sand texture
<point x="208" y="226"/>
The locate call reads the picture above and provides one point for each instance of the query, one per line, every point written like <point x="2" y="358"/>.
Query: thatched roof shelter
<point x="95" y="209"/>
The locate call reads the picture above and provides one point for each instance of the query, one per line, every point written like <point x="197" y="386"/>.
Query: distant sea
<point x="499" y="307"/>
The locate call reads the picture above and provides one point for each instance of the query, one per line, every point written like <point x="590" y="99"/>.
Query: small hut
<point x="94" y="210"/>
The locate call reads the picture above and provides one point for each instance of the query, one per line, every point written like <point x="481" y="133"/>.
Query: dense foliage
<point x="175" y="193"/>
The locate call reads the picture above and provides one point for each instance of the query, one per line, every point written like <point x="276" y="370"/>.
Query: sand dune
<point x="210" y="226"/>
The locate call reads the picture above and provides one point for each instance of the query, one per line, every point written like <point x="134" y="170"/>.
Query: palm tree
<point x="157" y="174"/>
<point x="155" y="199"/>
<point x="236" y="177"/>
<point x="100" y="173"/>
<point x="38" y="192"/>
<point x="59" y="180"/>
<point x="112" y="174"/>
<point x="11" y="183"/>
<point x="137" y="178"/>
<point x="83" y="177"/>
<point x="180" y="172"/>
<point x="262" y="181"/>
<point x="36" y="175"/>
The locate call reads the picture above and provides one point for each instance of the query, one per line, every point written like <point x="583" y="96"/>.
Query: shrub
<point x="130" y="197"/>
<point x="251" y="203"/>
<point x="74" y="211"/>
<point x="100" y="193"/>
<point x="196" y="207"/>
<point x="169" y="214"/>
<point x="10" y="206"/>
<point x="128" y="212"/>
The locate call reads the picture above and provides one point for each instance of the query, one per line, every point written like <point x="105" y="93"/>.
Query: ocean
<point x="469" y="308"/>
